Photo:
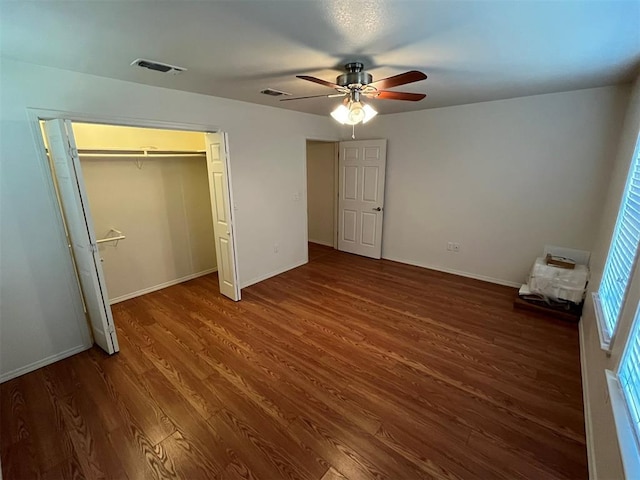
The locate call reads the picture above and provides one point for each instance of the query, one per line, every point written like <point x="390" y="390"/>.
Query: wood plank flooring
<point x="345" y="368"/>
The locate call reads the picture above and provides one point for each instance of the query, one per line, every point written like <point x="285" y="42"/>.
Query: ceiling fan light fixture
<point x="357" y="83"/>
<point x="341" y="114"/>
<point x="354" y="113"/>
<point x="369" y="113"/>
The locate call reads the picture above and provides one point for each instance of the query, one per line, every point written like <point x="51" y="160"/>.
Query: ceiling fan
<point x="355" y="84"/>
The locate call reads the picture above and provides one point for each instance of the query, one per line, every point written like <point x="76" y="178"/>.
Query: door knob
<point x="377" y="209"/>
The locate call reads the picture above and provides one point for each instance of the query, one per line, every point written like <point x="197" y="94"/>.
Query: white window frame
<point x="607" y="336"/>
<point x="606" y="339"/>
<point x="628" y="435"/>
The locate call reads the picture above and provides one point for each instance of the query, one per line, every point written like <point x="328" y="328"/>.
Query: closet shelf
<point x="139" y="153"/>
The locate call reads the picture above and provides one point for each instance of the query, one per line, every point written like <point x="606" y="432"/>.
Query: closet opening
<point x="143" y="209"/>
<point x="322" y="197"/>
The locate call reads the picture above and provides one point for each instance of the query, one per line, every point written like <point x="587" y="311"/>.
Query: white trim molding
<point x="588" y="427"/>
<point x="629" y="450"/>
<point x="605" y="337"/>
<point x="160" y="286"/>
<point x="262" y="278"/>
<point x="322" y="242"/>
<point x="44" y="362"/>
<point x="475" y="276"/>
<point x="35" y="114"/>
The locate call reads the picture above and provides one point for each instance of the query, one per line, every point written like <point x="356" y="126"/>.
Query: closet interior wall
<point x="160" y="203"/>
<point x="321" y="192"/>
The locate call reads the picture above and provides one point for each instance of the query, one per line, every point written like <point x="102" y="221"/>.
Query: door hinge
<point x="111" y="328"/>
<point x="93" y="247"/>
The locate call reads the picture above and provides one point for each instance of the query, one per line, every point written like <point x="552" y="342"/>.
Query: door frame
<point x="336" y="190"/>
<point x="35" y="115"/>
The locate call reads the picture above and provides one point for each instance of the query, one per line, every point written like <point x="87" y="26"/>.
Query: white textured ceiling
<point x="471" y="51"/>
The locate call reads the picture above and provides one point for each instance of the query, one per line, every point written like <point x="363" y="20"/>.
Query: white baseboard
<point x="588" y="429"/>
<point x="320" y="242"/>
<point x="484" y="278"/>
<point x="272" y="274"/>
<point x="43" y="363"/>
<point x="160" y="286"/>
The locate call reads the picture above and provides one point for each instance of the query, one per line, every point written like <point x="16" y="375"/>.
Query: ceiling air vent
<point x="158" y="66"/>
<point x="273" y="92"/>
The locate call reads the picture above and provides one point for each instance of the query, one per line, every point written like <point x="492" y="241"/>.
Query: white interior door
<point x="361" y="196"/>
<point x="75" y="206"/>
<point x="223" y="226"/>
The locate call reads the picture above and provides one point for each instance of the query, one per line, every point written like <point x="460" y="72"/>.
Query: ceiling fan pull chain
<point x="353" y="132"/>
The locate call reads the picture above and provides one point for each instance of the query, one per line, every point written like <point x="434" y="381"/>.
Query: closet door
<point x="75" y="207"/>
<point x="223" y="225"/>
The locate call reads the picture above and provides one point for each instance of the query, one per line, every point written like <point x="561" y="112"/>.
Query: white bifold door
<point x="223" y="225"/>
<point x="361" y="197"/>
<point x="75" y="206"/>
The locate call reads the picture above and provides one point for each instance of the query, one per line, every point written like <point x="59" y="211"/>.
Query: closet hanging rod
<point x="139" y="153"/>
<point x="111" y="239"/>
<point x="119" y="236"/>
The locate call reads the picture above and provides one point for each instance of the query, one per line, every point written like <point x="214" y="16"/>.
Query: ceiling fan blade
<point x="401" y="79"/>
<point x="317" y="80"/>
<point x="313" y="96"/>
<point x="387" y="95"/>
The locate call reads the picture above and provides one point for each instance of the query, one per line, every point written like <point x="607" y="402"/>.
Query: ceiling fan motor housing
<point x="354" y="75"/>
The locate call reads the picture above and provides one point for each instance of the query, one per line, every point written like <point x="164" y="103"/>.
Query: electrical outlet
<point x="276" y="248"/>
<point x="296" y="196"/>
<point x="453" y="246"/>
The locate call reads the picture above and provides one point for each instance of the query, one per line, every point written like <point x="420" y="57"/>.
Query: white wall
<point x="320" y="192"/>
<point x="604" y="453"/>
<point x="164" y="210"/>
<point x="39" y="318"/>
<point x="502" y="178"/>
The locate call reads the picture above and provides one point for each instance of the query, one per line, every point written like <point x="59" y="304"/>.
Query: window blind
<point x="623" y="250"/>
<point x="629" y="375"/>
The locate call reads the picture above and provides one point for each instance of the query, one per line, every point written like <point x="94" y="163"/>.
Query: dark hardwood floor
<point x="346" y="368"/>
